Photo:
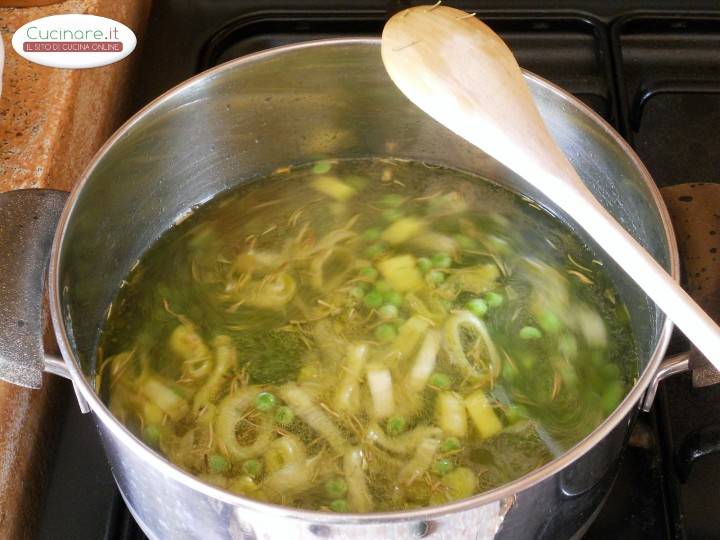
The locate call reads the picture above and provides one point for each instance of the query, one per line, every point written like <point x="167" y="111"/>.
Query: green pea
<point x="436" y="277"/>
<point x="494" y="299"/>
<point x="500" y="245"/>
<point x="393" y="298"/>
<point x="441" y="260"/>
<point x="550" y="322"/>
<point x="515" y="413"/>
<point x="424" y="264"/>
<point x="218" y="464"/>
<point x="339" y="505"/>
<point x="450" y="444"/>
<point x="252" y="467"/>
<point x="373" y="300"/>
<point x="395" y="425"/>
<point x="336" y="487"/>
<point x="284" y="415"/>
<point x="509" y="372"/>
<point x="265" y="401"/>
<point x="385" y="332"/>
<point x="477" y="306"/>
<point x="392" y="214"/>
<point x="388" y="311"/>
<point x="440" y="380"/>
<point x="357" y="292"/>
<point x="465" y="242"/>
<point x="530" y="332"/>
<point x="369" y="273"/>
<point x="374" y="250"/>
<point x="151" y="434"/>
<point x="383" y="287"/>
<point x="321" y="167"/>
<point x="371" y="234"/>
<point x="442" y="466"/>
<point x="392" y="200"/>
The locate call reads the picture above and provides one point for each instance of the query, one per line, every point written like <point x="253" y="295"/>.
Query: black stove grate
<point x="655" y="76"/>
<point x="670" y="88"/>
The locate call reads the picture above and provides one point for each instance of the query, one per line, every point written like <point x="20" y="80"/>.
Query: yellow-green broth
<point x="365" y="335"/>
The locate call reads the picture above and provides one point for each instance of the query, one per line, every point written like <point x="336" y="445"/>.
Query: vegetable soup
<point x="365" y="335"/>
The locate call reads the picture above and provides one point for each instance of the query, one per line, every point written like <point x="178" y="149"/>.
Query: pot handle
<point x="672" y="365"/>
<point x="28" y="218"/>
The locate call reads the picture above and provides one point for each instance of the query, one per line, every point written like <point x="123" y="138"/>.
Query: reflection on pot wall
<point x="555" y="508"/>
<point x="579" y="490"/>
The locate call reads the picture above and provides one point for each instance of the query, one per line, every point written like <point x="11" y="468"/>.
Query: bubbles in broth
<point x="365" y="335"/>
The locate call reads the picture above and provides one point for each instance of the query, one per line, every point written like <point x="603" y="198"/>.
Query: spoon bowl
<point x="456" y="69"/>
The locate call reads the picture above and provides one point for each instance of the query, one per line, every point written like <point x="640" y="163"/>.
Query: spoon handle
<point x="461" y="73"/>
<point x="644" y="270"/>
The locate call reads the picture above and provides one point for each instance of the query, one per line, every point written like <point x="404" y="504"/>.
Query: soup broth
<point x="365" y="335"/>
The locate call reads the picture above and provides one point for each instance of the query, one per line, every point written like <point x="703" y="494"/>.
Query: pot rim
<point x="499" y="494"/>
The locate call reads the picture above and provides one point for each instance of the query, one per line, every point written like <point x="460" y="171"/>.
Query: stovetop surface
<point x="651" y="69"/>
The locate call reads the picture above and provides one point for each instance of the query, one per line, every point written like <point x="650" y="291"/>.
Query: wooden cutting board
<point x="52" y="121"/>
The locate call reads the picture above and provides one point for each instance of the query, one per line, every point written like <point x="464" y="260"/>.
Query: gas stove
<point x="652" y="70"/>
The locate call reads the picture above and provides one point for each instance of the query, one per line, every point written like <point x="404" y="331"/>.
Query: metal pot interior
<point x="292" y="105"/>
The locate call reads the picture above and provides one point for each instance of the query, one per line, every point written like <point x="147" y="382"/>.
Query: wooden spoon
<point x="462" y="74"/>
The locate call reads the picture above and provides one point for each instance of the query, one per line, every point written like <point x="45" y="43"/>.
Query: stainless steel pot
<point x="242" y="120"/>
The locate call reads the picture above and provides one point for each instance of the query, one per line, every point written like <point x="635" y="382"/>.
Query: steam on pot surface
<point x="366" y="335"/>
